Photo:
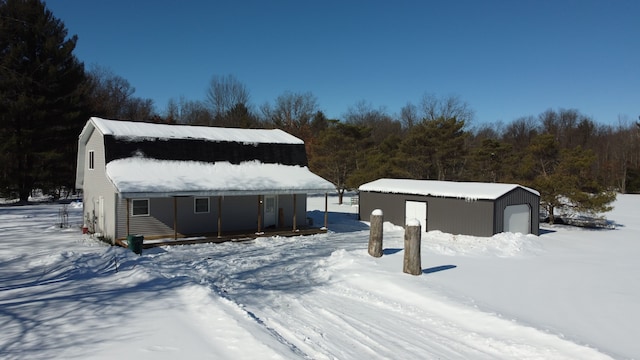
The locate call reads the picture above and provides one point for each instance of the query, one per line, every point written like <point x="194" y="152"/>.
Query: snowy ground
<point x="568" y="294"/>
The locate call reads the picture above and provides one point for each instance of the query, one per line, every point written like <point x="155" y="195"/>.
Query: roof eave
<point x="166" y="194"/>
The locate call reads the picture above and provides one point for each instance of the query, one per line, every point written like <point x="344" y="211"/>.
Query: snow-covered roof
<point x="460" y="190"/>
<point x="137" y="177"/>
<point x="145" y="175"/>
<point x="140" y="130"/>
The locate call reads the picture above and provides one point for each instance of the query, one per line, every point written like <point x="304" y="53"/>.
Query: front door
<point x="99" y="214"/>
<point x="416" y="210"/>
<point x="270" y="211"/>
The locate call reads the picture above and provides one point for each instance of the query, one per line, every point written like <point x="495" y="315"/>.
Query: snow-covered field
<point x="568" y="294"/>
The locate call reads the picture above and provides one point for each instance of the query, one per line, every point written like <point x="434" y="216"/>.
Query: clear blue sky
<point x="506" y="59"/>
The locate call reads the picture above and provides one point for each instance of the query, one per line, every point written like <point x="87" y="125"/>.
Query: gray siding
<point x="158" y="222"/>
<point x="190" y="222"/>
<point x="456" y="216"/>
<point x="392" y="206"/>
<point x="285" y="202"/>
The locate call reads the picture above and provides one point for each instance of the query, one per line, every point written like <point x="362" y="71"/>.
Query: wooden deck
<point x="156" y="241"/>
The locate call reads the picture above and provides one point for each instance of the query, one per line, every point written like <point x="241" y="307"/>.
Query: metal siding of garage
<point x="450" y="215"/>
<point x="392" y="206"/>
<point x="516" y="197"/>
<point x="460" y="216"/>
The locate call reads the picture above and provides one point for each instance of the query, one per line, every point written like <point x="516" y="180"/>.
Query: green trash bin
<point x="135" y="243"/>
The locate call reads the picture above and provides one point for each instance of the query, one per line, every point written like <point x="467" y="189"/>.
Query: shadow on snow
<point x="41" y="305"/>
<point x="438" y="268"/>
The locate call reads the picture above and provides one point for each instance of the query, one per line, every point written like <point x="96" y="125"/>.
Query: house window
<point x="201" y="205"/>
<point x="140" y="207"/>
<point x="91" y="160"/>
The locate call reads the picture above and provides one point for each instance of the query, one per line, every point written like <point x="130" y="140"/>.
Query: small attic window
<point x="91" y="160"/>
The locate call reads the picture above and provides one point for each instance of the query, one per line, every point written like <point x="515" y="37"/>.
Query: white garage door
<point x="517" y="219"/>
<point x="416" y="210"/>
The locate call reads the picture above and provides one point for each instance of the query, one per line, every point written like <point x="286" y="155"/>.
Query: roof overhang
<point x="150" y="195"/>
<point x="139" y="177"/>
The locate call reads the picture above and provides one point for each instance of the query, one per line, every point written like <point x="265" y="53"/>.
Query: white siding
<point x="97" y="186"/>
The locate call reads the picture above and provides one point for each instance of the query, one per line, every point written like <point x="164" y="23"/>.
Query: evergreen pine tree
<point x="563" y="178"/>
<point x="41" y="86"/>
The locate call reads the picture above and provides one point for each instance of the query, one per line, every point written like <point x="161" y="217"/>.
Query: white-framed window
<point x="201" y="205"/>
<point x="92" y="160"/>
<point x="140" y="207"/>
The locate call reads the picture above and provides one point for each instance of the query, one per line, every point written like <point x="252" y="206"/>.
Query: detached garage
<point x="469" y="208"/>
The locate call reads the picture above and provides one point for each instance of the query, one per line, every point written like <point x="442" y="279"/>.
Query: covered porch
<point x="288" y="219"/>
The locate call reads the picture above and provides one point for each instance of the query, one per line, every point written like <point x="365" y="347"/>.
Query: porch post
<point x="295" y="212"/>
<point x="127" y="205"/>
<point x="175" y="218"/>
<point x="219" y="216"/>
<point x="326" y="206"/>
<point x="259" y="213"/>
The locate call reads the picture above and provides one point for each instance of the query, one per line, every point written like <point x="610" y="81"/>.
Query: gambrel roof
<point x="144" y="160"/>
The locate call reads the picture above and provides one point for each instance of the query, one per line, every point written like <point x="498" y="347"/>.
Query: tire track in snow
<point x="308" y="294"/>
<point x="339" y="326"/>
<point x="197" y="270"/>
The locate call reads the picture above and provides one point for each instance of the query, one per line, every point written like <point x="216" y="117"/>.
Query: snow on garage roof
<point x="137" y="177"/>
<point x="141" y="130"/>
<point x="460" y="190"/>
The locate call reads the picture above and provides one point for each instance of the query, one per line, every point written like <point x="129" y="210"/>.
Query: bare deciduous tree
<point x="409" y="115"/>
<point x="111" y="96"/>
<point x="292" y="112"/>
<point x="190" y="112"/>
<point x="224" y="93"/>
<point x="381" y="124"/>
<point x="520" y="132"/>
<point x="447" y="107"/>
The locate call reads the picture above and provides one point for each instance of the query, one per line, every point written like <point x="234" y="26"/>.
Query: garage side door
<point x="416" y="210"/>
<point x="517" y="219"/>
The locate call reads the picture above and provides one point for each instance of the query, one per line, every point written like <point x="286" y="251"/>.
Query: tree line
<point x="576" y="164"/>
<point x="46" y="96"/>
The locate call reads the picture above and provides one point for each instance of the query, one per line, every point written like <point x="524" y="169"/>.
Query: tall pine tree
<point x="41" y="87"/>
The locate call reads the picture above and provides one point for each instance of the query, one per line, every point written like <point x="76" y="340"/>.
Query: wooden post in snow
<point x="280" y="218"/>
<point x="326" y="209"/>
<point x="259" y="213"/>
<point x="128" y="206"/>
<point x="175" y="218"/>
<point x="219" y="216"/>
<point x="412" y="262"/>
<point x="375" y="234"/>
<point x="295" y="213"/>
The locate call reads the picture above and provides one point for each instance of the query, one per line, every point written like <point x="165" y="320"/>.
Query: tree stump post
<point x="412" y="238"/>
<point x="375" y="235"/>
